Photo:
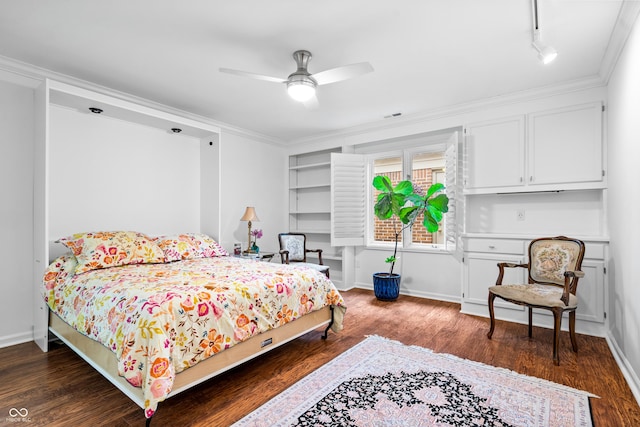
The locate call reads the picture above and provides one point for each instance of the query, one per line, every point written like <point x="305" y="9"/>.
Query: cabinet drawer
<point x="594" y="250"/>
<point x="501" y="246"/>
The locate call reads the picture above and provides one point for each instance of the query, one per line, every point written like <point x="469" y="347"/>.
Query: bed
<point x="156" y="316"/>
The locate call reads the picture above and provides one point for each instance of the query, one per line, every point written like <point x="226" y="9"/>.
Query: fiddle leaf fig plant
<point x="407" y="201"/>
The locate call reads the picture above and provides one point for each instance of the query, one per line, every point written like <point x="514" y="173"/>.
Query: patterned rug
<point x="381" y="382"/>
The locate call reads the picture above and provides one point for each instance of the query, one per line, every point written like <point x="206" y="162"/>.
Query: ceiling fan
<point x="301" y="85"/>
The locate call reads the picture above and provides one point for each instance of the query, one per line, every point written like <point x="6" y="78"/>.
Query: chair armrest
<point x="503" y="265"/>
<point x="570" y="284"/>
<point x="511" y="265"/>
<point x="284" y="256"/>
<point x="577" y="273"/>
<point x="319" y="252"/>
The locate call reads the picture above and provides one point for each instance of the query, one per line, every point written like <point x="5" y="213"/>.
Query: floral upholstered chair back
<point x="549" y="258"/>
<point x="295" y="244"/>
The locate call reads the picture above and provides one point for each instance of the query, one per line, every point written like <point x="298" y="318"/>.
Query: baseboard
<point x="413" y="293"/>
<point x="627" y="370"/>
<point x="22" y="337"/>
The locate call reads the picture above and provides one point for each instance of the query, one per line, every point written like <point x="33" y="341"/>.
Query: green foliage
<point x="403" y="202"/>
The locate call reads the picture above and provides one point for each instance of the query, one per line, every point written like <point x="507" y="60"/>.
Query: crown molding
<point x="627" y="17"/>
<point x="458" y="109"/>
<point x="29" y="75"/>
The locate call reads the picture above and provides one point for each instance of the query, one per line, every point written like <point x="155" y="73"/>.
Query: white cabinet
<point x="551" y="150"/>
<point x="310" y="205"/>
<point x="565" y="145"/>
<point x="591" y="292"/>
<point x="480" y="271"/>
<point x="494" y="151"/>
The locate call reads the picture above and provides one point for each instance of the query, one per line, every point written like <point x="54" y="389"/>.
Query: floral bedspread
<point x="160" y="319"/>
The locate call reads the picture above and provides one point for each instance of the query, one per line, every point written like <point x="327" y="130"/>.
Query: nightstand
<point x="262" y="256"/>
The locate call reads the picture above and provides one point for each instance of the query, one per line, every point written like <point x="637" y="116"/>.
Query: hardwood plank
<point x="60" y="389"/>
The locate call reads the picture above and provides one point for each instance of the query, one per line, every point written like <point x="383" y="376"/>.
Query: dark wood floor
<point x="60" y="389"/>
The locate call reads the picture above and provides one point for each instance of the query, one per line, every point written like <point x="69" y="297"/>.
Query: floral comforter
<point x="160" y="319"/>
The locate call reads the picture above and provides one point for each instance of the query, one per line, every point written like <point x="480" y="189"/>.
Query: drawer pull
<point x="492" y="247"/>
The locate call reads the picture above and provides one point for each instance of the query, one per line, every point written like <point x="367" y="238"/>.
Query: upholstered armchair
<point x="553" y="270"/>
<point x="293" y="249"/>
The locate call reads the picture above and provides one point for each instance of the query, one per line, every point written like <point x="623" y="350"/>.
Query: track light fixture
<point x="546" y="53"/>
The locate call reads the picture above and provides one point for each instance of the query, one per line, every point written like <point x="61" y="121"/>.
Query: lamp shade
<point x="250" y="214"/>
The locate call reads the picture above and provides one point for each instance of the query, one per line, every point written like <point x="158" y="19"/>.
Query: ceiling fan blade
<point x="342" y="73"/>
<point x="252" y="75"/>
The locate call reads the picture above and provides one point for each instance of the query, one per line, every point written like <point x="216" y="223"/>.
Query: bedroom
<point x="247" y="154"/>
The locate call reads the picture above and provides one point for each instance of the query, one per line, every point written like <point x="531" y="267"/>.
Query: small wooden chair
<point x="293" y="249"/>
<point x="554" y="269"/>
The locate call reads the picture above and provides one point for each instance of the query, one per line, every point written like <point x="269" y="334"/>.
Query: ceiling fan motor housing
<point x="301" y="76"/>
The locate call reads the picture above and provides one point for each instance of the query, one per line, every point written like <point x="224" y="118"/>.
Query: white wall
<point x="109" y="174"/>
<point x="253" y="174"/>
<point x="16" y="212"/>
<point x="624" y="204"/>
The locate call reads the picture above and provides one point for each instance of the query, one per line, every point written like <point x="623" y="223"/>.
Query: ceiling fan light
<point x="301" y="90"/>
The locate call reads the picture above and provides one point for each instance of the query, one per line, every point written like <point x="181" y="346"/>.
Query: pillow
<point x="96" y="250"/>
<point x="208" y="247"/>
<point x="178" y="247"/>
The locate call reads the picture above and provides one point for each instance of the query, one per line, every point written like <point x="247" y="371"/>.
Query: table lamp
<point x="249" y="215"/>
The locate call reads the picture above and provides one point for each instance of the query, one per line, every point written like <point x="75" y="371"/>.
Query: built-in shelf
<point x="310" y="212"/>
<point x="310" y="231"/>
<point x="310" y="205"/>
<point x="304" y="187"/>
<point x="311" y="166"/>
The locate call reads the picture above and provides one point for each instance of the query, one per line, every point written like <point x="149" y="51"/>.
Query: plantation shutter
<point x="348" y="198"/>
<point x="453" y="188"/>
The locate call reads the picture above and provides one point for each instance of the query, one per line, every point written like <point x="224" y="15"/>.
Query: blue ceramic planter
<point x="386" y="287"/>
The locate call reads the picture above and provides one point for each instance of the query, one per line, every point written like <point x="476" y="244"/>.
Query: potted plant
<point x="405" y="201"/>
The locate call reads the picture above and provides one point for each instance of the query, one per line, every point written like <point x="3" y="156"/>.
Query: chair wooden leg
<point x="572" y="330"/>
<point x="530" y="322"/>
<point x="557" y="320"/>
<point x="491" y="315"/>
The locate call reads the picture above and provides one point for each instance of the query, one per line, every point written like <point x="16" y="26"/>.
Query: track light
<point x="546" y="53"/>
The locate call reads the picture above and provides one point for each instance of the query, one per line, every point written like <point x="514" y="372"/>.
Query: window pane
<point x="383" y="230"/>
<point x="427" y="169"/>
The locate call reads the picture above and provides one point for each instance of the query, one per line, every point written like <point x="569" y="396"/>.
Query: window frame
<point x="406" y="155"/>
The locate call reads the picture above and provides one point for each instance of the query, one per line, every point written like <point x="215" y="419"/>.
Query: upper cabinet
<point x="494" y="151"/>
<point x="552" y="150"/>
<point x="565" y="146"/>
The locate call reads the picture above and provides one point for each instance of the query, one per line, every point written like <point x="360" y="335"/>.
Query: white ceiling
<point x="427" y="54"/>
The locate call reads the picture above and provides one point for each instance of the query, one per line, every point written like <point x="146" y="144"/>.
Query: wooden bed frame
<point x="104" y="360"/>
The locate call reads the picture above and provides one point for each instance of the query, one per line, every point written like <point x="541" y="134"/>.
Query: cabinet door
<point x="494" y="152"/>
<point x="481" y="272"/>
<point x="565" y="145"/>
<point x="591" y="292"/>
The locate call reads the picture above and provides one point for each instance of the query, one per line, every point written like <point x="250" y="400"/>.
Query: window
<point x="425" y="167"/>
<point x="432" y="158"/>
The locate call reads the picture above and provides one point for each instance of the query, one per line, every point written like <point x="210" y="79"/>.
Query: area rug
<point x="381" y="382"/>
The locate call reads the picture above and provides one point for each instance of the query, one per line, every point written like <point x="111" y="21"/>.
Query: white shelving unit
<point x="310" y="205"/>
